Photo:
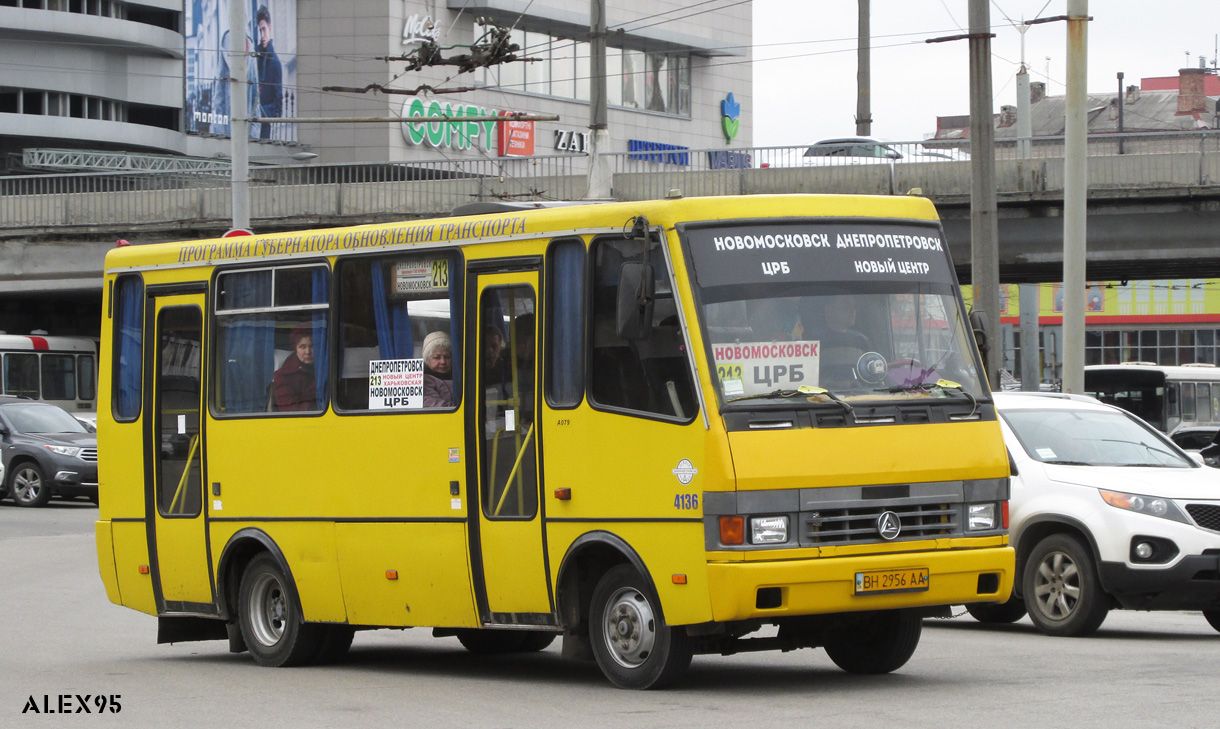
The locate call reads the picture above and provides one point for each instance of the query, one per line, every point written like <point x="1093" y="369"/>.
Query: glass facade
<point x="560" y="67"/>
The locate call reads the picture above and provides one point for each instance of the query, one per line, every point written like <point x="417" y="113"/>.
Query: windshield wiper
<point x="942" y="386"/>
<point x="1058" y="462"/>
<point x="805" y="391"/>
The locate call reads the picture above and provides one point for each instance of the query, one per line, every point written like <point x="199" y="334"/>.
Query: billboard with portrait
<point x="270" y="67"/>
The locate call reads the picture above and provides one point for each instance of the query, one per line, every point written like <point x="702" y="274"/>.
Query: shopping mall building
<point x="149" y="76"/>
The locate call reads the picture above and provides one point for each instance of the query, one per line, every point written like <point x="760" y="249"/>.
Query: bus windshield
<point x="866" y="311"/>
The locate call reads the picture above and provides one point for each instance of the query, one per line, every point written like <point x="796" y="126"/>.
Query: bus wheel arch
<point x="236" y="556"/>
<point x="587" y="559"/>
<point x="610" y="608"/>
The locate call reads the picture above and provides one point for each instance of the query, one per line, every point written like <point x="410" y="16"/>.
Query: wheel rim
<point x="629" y="628"/>
<point x="1057" y="588"/>
<point x="26" y="484"/>
<point x="268" y="609"/>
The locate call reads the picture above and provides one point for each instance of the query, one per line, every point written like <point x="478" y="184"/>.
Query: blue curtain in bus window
<point x="249" y="345"/>
<point x="129" y="323"/>
<point x="321" y="363"/>
<point x="455" y="323"/>
<point x="567" y="317"/>
<point x="394" y="338"/>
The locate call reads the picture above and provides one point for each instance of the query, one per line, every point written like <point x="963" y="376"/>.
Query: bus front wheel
<point x="877" y="643"/>
<point x="270" y="617"/>
<point x="633" y="646"/>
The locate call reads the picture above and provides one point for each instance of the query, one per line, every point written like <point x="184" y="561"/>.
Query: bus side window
<point x="1188" y="401"/>
<point x="21" y="375"/>
<point x="269" y="321"/>
<point x="1203" y="395"/>
<point x="58" y="376"/>
<point x="389" y="306"/>
<point x="650" y="375"/>
<point x="128" y="346"/>
<point x="565" y="322"/>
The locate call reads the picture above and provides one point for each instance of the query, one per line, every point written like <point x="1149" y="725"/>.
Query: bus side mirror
<point x="978" y="324"/>
<point x="636" y="294"/>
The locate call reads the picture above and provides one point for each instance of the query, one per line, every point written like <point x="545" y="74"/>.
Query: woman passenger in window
<point x="438" y="371"/>
<point x="294" y="386"/>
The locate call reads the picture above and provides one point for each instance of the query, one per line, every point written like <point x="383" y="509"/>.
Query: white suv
<point x="1106" y="513"/>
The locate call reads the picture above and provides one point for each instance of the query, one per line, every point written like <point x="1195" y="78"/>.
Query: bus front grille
<point x="861" y="525"/>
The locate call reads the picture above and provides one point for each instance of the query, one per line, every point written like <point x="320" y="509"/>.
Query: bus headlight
<point x="768" y="530"/>
<point x="981" y="517"/>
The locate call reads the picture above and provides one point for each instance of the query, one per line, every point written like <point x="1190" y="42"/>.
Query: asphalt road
<point x="60" y="635"/>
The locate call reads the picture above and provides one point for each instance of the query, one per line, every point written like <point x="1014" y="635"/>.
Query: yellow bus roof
<point x="516" y="224"/>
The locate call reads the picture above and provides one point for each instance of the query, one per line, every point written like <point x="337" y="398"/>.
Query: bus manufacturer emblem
<point x="685" y="471"/>
<point x="888" y="525"/>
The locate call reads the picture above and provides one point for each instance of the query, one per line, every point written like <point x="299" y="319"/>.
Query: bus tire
<point x="28" y="486"/>
<point x="536" y="641"/>
<point x="1062" y="590"/>
<point x="270" y="617"/>
<point x="333" y="643"/>
<point x="998" y="614"/>
<point x="631" y="642"/>
<point x="879" y="643"/>
<point x="490" y="641"/>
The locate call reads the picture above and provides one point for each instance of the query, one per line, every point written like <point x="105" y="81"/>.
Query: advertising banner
<point x="270" y="68"/>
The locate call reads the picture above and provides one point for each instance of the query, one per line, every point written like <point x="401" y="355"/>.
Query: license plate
<point x="875" y="582"/>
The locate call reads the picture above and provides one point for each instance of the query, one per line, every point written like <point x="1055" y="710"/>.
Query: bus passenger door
<point x="174" y="456"/>
<point x="508" y="555"/>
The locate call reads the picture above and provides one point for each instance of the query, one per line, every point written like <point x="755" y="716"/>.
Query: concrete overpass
<point x="1154" y="212"/>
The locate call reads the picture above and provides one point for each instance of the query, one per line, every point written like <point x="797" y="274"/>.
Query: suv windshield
<point x="41" y="418"/>
<point x="865" y="310"/>
<point x="1091" y="438"/>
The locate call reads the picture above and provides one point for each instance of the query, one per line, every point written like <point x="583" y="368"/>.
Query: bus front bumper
<point x="777" y="589"/>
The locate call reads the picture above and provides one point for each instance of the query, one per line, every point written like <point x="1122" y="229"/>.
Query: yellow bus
<point x="656" y="429"/>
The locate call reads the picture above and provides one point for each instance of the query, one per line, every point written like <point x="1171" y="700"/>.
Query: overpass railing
<point x="329" y="194"/>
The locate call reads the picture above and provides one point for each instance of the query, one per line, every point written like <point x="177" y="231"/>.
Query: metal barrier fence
<point x="328" y="194"/>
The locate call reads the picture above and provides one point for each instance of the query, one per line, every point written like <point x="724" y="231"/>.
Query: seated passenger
<point x="294" y="386"/>
<point x="438" y="370"/>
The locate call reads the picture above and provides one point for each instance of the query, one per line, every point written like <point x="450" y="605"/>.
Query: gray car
<point x="45" y="452"/>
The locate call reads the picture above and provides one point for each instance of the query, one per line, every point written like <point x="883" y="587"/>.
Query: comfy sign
<point x="454" y="133"/>
<point x="516" y="138"/>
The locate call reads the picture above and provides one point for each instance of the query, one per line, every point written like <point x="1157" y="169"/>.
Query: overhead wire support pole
<point x="1075" y="196"/>
<point x="239" y="125"/>
<point x="984" y="228"/>
<point x="601" y="178"/>
<point x="864" y="102"/>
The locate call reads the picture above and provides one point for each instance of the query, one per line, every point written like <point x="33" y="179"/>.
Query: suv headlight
<point x="64" y="450"/>
<point x="1150" y="505"/>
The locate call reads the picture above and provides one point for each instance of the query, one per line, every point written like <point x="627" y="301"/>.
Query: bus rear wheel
<point x="877" y="643"/>
<point x="270" y="617"/>
<point x="633" y="646"/>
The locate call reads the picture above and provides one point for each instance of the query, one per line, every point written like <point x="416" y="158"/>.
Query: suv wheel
<point x="28" y="486"/>
<point x="1062" y="592"/>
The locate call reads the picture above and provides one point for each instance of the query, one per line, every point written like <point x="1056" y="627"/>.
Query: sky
<point x="805" y="58"/>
